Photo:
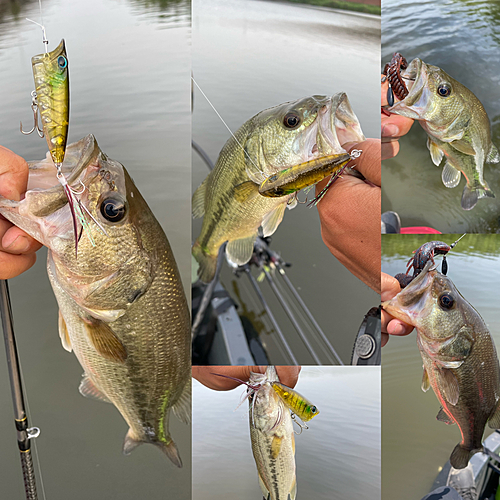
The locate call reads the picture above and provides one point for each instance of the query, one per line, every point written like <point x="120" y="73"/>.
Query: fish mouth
<point x="43" y="210"/>
<point x="335" y="125"/>
<point x="415" y="103"/>
<point x="409" y="303"/>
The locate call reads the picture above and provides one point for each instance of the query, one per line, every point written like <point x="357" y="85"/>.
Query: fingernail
<point x="19" y="245"/>
<point x="390" y="130"/>
<point x="396" y="328"/>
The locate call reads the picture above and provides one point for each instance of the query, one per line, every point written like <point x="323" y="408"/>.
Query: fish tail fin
<point x="132" y="441"/>
<point x="171" y="451"/>
<point x="470" y="196"/>
<point x="460" y="456"/>
<point x="207" y="263"/>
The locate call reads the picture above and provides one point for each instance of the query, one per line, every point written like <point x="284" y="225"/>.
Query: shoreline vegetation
<point x="371" y="7"/>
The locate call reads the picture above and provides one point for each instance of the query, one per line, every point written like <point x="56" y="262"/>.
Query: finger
<point x="15" y="241"/>
<point x="394" y="127"/>
<point x="13" y="174"/>
<point x="389" y="150"/>
<point x="368" y="162"/>
<point x="390" y="287"/>
<point x="14" y="265"/>
<point x="288" y="375"/>
<point x="394" y="326"/>
<point x="385" y="339"/>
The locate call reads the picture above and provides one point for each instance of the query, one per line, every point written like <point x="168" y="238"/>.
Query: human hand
<point x="393" y="127"/>
<point x="288" y="375"/>
<point x="390" y="325"/>
<point x="350" y="215"/>
<point x="17" y="249"/>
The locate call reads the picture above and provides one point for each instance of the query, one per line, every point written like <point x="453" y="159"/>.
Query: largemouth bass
<point x="273" y="442"/>
<point x="457" y="126"/>
<point x="459" y="357"/>
<point x="122" y="308"/>
<point x="273" y="140"/>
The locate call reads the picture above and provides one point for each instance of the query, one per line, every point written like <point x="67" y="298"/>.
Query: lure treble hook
<point x="301" y="425"/>
<point x="36" y="126"/>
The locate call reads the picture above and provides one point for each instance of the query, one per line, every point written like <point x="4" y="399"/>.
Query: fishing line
<point x="33" y="440"/>
<point x="225" y="124"/>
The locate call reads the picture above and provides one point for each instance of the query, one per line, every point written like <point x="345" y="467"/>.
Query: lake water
<point x="460" y="37"/>
<point x="414" y="444"/>
<point x="249" y="55"/>
<point x="337" y="457"/>
<point x="129" y="82"/>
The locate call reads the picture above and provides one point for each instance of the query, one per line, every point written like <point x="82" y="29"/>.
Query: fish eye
<point x="444" y="90"/>
<point x="291" y="120"/>
<point x="446" y="301"/>
<point x="62" y="62"/>
<point x="113" y="209"/>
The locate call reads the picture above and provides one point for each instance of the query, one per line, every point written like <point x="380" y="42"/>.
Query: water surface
<point x="129" y="83"/>
<point x="463" y="38"/>
<point x="337" y="457"/>
<point x="415" y="445"/>
<point x="249" y="55"/>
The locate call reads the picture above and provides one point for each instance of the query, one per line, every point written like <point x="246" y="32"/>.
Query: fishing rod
<point x="24" y="433"/>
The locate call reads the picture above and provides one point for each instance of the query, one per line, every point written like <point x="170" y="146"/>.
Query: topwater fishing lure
<point x="50" y="101"/>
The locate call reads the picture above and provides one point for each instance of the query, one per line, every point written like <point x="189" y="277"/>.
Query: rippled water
<point x="337" y="457"/>
<point x="129" y="78"/>
<point x="462" y="38"/>
<point x="251" y="55"/>
<point x="414" y="444"/>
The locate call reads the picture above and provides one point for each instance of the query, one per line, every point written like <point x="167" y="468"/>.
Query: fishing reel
<point x="367" y="347"/>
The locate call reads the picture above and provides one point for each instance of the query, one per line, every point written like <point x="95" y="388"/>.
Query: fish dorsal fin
<point x="494" y="421"/>
<point x="276" y="446"/>
<point x="450" y="175"/>
<point x="246" y="191"/>
<point x="182" y="408"/>
<point x="493" y="155"/>
<point x="436" y="153"/>
<point x="105" y="341"/>
<point x="199" y="200"/>
<point x="425" y="381"/>
<point x="240" y="251"/>
<point x="89" y="390"/>
<point x="463" y="146"/>
<point x="448" y="384"/>
<point x="63" y="333"/>
<point x="442" y="416"/>
<point x="272" y="220"/>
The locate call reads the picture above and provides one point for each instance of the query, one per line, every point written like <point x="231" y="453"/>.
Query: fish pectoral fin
<point x="276" y="446"/>
<point x="64" y="334"/>
<point x="240" y="251"/>
<point x="463" y="146"/>
<point x="105" y="341"/>
<point x="425" y="381"/>
<point x="442" y="416"/>
<point x="198" y="201"/>
<point x="265" y="491"/>
<point x="182" y="407"/>
<point x="246" y="191"/>
<point x="450" y="175"/>
<point x="436" y="153"/>
<point x="293" y="490"/>
<point x="494" y="421"/>
<point x="493" y="155"/>
<point x="89" y="390"/>
<point x="272" y="220"/>
<point x="448" y="384"/>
